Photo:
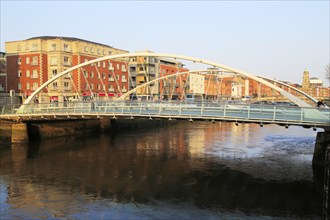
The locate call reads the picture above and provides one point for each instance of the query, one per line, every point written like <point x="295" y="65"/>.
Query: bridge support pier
<point x="19" y="133"/>
<point x="321" y="144"/>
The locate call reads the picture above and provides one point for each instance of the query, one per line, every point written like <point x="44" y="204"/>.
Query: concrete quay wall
<point x="11" y="132"/>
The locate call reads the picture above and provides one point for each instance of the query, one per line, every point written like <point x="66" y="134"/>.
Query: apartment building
<point x="145" y="69"/>
<point x="33" y="61"/>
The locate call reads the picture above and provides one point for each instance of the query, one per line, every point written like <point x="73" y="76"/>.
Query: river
<point x="199" y="170"/>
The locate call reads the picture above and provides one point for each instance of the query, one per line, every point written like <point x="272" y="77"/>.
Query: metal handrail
<point x="179" y="109"/>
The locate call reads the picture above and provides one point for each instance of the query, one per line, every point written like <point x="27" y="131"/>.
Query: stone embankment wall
<point x="11" y="132"/>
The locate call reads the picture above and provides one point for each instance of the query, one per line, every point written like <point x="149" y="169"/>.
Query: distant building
<point x="314" y="87"/>
<point x="305" y="81"/>
<point x="315" y="82"/>
<point x="32" y="62"/>
<point x="145" y="69"/>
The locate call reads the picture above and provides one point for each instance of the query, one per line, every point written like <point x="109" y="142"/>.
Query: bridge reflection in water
<point x="199" y="170"/>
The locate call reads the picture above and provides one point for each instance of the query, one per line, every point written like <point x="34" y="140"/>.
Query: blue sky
<point x="277" y="39"/>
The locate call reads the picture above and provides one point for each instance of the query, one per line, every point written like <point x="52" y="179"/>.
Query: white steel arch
<point x="291" y="97"/>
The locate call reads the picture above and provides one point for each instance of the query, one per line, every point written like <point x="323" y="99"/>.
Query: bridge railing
<point x="178" y="109"/>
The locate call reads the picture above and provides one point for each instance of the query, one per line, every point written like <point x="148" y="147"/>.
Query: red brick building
<point x="32" y="62"/>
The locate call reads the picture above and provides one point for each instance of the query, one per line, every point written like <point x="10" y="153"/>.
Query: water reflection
<point x="201" y="168"/>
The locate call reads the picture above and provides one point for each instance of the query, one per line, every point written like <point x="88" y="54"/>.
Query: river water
<point x="199" y="170"/>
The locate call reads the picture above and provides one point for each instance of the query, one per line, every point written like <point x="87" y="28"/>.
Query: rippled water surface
<point x="183" y="171"/>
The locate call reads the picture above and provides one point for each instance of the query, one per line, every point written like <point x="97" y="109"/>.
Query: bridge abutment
<point x="321" y="144"/>
<point x="19" y="133"/>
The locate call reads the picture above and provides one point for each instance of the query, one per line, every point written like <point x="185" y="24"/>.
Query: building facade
<point x="146" y="69"/>
<point x="32" y="62"/>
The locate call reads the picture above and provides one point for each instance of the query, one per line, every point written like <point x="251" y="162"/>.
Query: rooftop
<point x="67" y="38"/>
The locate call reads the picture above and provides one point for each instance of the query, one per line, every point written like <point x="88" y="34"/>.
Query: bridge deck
<point x="286" y="115"/>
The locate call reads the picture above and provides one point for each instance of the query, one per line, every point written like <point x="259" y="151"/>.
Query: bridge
<point x="302" y="114"/>
<point x="174" y="110"/>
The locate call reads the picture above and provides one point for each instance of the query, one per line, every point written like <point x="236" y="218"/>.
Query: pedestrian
<point x="320" y="104"/>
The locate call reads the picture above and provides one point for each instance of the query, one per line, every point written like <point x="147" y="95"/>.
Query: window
<point x="109" y="52"/>
<point x="27" y="47"/>
<point x="54" y="72"/>
<point x="85" y="86"/>
<point x="19" y="61"/>
<point x="92" y="50"/>
<point x="27" y="60"/>
<point x="103" y="75"/>
<point x="123" y="88"/>
<point x="99" y="64"/>
<point x="53" y="61"/>
<point x="86" y="49"/>
<point x="66" y="47"/>
<point x="132" y="69"/>
<point x="66" y="61"/>
<point x="18" y="47"/>
<point x="110" y="66"/>
<point x="27" y="73"/>
<point x="103" y="52"/>
<point x="19" y="86"/>
<point x="123" y="78"/>
<point x="123" y="67"/>
<point x="85" y="73"/>
<point x="34" y="60"/>
<point x="66" y="86"/>
<point x="35" y="74"/>
<point x="34" y="47"/>
<point x="92" y="74"/>
<point x="98" y="86"/>
<point x="27" y="85"/>
<point x="19" y="73"/>
<point x="117" y="66"/>
<point x="92" y="86"/>
<point x="103" y="63"/>
<point x="55" y="86"/>
<point x="35" y="86"/>
<point x="98" y="51"/>
<point x="53" y="47"/>
<point x="86" y="60"/>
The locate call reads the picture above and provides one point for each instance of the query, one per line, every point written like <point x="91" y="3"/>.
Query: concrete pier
<point x="321" y="143"/>
<point x="19" y="133"/>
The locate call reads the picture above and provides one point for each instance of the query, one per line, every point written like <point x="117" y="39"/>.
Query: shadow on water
<point x="146" y="167"/>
